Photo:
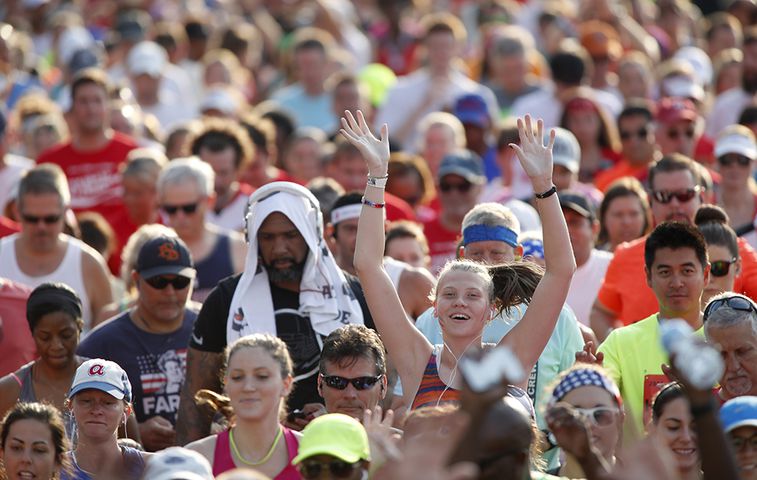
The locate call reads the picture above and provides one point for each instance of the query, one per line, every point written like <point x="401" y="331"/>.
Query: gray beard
<point x="277" y="275"/>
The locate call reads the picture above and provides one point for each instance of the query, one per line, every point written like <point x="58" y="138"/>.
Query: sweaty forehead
<point x="674" y="257"/>
<point x="675" y="180"/>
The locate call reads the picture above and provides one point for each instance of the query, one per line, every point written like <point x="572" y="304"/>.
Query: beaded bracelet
<point x="373" y="204"/>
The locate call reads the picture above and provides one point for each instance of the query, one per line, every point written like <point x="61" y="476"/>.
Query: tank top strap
<point x="24" y="378"/>
<point x="290" y="472"/>
<point x="222" y="461"/>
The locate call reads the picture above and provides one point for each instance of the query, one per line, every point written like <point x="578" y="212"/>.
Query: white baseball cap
<point x="147" y="57"/>
<point x="566" y="150"/>
<point x="177" y="463"/>
<point x="102" y="375"/>
<point x="736" y="139"/>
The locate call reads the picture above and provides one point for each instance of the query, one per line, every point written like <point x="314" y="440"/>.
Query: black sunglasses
<point x="47" y="219"/>
<point x="160" y="282"/>
<point x="188" y="209"/>
<point x="641" y="133"/>
<point x="730" y="158"/>
<point x="682" y="196"/>
<point x="463" y="187"/>
<point x="720" y="268"/>
<point x="338" y="468"/>
<point x="340" y="383"/>
<point x="737" y="302"/>
<point x="674" y="134"/>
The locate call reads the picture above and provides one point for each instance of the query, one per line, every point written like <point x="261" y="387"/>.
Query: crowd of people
<point x="390" y="239"/>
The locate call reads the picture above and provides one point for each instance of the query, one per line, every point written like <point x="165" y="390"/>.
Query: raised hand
<point x="374" y="150"/>
<point x="570" y="429"/>
<point x="589" y="354"/>
<point x="534" y="156"/>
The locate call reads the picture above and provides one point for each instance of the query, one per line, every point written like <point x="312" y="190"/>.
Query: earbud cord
<point x="453" y="373"/>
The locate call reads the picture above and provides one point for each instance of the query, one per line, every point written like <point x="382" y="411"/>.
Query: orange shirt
<point x="626" y="293"/>
<point x="605" y="178"/>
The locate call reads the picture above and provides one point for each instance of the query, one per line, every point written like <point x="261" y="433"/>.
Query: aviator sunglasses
<point x="736" y="302"/>
<point x="682" y="196"/>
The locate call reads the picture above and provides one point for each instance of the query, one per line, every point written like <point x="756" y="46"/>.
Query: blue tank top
<point x="213" y="268"/>
<point x="134" y="465"/>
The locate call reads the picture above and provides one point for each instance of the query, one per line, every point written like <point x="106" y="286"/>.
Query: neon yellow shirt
<point x="633" y="358"/>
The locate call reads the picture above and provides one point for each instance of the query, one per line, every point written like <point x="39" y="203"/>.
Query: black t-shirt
<point x="294" y="329"/>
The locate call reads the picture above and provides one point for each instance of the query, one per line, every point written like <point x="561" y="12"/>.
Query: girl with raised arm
<point x="465" y="295"/>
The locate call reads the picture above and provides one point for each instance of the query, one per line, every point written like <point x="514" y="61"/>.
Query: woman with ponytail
<point x="257" y="380"/>
<point x="466" y="296"/>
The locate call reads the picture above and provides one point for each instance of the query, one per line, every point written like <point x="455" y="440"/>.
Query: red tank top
<point x="222" y="461"/>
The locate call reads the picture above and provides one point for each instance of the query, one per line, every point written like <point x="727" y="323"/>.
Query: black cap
<point x="165" y="255"/>
<point x="132" y="25"/>
<point x="578" y="202"/>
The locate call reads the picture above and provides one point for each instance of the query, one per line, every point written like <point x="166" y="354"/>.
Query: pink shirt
<point x="222" y="461"/>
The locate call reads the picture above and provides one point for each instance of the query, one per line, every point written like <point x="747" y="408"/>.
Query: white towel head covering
<point x="325" y="295"/>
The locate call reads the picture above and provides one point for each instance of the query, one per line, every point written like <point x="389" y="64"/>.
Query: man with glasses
<point x="679" y="126"/>
<point x="639" y="147"/>
<point x="460" y="182"/>
<point x="41" y="253"/>
<point x="676" y="195"/>
<point x="151" y="335"/>
<point x="676" y="269"/>
<point x="186" y="195"/>
<point x="730" y="322"/>
<point x="739" y="419"/>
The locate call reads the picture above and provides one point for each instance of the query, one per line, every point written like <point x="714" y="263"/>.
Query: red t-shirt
<point x="16" y="343"/>
<point x="442" y="243"/>
<point x="95" y="183"/>
<point x="626" y="293"/>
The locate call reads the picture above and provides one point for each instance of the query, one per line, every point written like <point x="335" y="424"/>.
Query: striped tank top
<point x="432" y="390"/>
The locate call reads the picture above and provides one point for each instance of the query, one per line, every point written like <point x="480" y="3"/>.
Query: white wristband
<point x="378" y="182"/>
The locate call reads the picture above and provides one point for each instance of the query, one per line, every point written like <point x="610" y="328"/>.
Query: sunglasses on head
<point x="730" y="158"/>
<point x="188" y="209"/>
<point x="674" y="134"/>
<point x="160" y="282"/>
<point x="463" y="187"/>
<point x="682" y="196"/>
<point x="736" y="302"/>
<point x="720" y="268"/>
<point x="641" y="133"/>
<point x="340" y="383"/>
<point x="599" y="416"/>
<point x="47" y="219"/>
<point x="340" y="469"/>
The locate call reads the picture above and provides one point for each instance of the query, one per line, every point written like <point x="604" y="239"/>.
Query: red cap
<point x="670" y="110"/>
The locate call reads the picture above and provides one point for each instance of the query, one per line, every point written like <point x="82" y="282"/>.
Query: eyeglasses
<point x="730" y="158"/>
<point x="682" y="196"/>
<point x="599" y="416"/>
<point x="641" y="133"/>
<point x="720" y="268"/>
<point x="338" y="468"/>
<point x="463" y="187"/>
<point x="47" y="219"/>
<point x="741" y="443"/>
<point x="188" y="209"/>
<point x="737" y="302"/>
<point x="160" y="282"/>
<point x="340" y="383"/>
<point x="674" y="133"/>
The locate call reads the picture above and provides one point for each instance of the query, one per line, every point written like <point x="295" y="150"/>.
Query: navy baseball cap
<point x="165" y="255"/>
<point x="472" y="109"/>
<point x="464" y="163"/>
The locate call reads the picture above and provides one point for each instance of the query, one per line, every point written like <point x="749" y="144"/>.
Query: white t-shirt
<point x="10" y="174"/>
<point x="585" y="284"/>
<point x="543" y="104"/>
<point x="726" y="110"/>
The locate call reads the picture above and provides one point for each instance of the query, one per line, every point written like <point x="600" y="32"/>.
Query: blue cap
<point x="739" y="412"/>
<point x="472" y="109"/>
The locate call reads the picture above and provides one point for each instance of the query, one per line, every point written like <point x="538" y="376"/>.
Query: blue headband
<point x="533" y="247"/>
<point x="482" y="233"/>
